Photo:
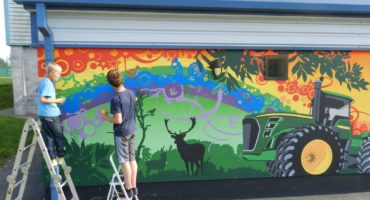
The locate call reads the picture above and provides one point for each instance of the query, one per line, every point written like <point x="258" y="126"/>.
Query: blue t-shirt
<point x="46" y="89"/>
<point x="124" y="103"/>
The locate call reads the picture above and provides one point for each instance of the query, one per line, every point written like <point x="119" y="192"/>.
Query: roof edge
<point x="209" y="6"/>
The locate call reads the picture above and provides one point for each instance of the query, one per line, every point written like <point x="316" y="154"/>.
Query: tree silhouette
<point x="235" y="66"/>
<point x="141" y="115"/>
<point x="334" y="64"/>
<point x="241" y="65"/>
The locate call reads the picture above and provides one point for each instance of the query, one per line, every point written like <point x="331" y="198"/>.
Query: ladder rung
<point x="24" y="164"/>
<point x="64" y="183"/>
<point x="28" y="147"/>
<point x="18" y="198"/>
<point x="18" y="183"/>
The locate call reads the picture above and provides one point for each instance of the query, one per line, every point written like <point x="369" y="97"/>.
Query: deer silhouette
<point x="158" y="164"/>
<point x="192" y="154"/>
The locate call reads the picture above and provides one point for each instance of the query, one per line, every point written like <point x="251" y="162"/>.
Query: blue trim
<point x="34" y="30"/>
<point x="41" y="21"/>
<point x="7" y="25"/>
<point x="122" y="46"/>
<point x="212" y="5"/>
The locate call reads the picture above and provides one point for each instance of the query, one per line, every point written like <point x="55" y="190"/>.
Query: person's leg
<point x="132" y="159"/>
<point x="58" y="137"/>
<point x="47" y="136"/>
<point x="121" y="144"/>
<point x="133" y="164"/>
<point x="126" y="169"/>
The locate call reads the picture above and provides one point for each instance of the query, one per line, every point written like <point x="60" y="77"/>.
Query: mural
<point x="193" y="125"/>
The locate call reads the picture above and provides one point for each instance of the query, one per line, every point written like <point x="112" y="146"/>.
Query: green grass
<point x="5" y="81"/>
<point x="10" y="132"/>
<point x="6" y="93"/>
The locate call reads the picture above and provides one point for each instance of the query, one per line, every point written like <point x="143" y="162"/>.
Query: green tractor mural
<point x="315" y="144"/>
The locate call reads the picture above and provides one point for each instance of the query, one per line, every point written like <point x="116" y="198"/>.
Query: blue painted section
<point x="34" y="30"/>
<point x="6" y="15"/>
<point x="215" y="5"/>
<point x="41" y="21"/>
<point x="259" y="47"/>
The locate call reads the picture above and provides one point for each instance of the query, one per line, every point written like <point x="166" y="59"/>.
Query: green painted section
<point x="265" y="155"/>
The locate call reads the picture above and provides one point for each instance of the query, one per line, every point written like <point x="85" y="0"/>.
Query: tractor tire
<point x="364" y="157"/>
<point x="311" y="150"/>
<point x="273" y="164"/>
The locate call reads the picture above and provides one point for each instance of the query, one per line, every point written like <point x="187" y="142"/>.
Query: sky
<point x="4" y="49"/>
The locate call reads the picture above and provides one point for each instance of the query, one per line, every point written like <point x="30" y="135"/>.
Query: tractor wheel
<point x="364" y="157"/>
<point x="273" y="164"/>
<point x="311" y="150"/>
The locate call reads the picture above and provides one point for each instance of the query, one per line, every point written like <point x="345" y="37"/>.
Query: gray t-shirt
<point x="124" y="102"/>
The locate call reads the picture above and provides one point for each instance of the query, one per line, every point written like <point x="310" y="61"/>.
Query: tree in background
<point x="4" y="64"/>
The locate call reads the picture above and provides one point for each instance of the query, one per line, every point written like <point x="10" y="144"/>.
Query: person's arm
<point x="115" y="119"/>
<point x="46" y="89"/>
<point x="48" y="100"/>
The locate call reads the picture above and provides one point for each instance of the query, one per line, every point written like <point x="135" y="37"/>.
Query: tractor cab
<point x="329" y="107"/>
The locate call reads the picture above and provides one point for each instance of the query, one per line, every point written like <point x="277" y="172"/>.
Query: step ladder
<point x="117" y="183"/>
<point x="30" y="126"/>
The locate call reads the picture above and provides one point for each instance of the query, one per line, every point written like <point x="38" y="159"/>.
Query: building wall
<point x="24" y="73"/>
<point x="19" y="25"/>
<point x="180" y="90"/>
<point x="126" y="29"/>
<point x="174" y="30"/>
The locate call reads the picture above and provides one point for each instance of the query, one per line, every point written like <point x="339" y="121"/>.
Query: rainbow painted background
<point x="179" y="85"/>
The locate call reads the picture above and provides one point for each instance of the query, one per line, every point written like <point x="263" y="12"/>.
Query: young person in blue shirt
<point x="122" y="107"/>
<point x="49" y="114"/>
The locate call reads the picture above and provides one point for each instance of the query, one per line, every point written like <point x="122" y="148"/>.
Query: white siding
<point x="19" y="25"/>
<point x="182" y="30"/>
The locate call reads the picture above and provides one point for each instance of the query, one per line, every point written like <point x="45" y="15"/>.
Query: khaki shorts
<point x="125" y="148"/>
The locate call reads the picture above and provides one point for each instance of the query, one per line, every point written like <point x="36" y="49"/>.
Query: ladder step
<point x="18" y="183"/>
<point x="18" y="198"/>
<point x="28" y="147"/>
<point x="64" y="183"/>
<point x="24" y="164"/>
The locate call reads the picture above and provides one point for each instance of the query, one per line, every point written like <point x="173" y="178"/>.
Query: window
<point x="276" y="67"/>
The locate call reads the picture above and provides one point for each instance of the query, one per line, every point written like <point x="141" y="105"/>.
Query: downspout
<point x="42" y="26"/>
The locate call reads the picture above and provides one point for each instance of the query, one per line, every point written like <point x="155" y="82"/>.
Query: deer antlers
<point x="193" y="122"/>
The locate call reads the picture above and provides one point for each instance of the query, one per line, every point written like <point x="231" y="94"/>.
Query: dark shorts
<point x="125" y="148"/>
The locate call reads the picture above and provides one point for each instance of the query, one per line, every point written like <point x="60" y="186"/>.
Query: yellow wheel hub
<point x="316" y="157"/>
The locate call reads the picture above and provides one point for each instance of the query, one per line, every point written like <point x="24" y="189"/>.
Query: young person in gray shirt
<point x="122" y="107"/>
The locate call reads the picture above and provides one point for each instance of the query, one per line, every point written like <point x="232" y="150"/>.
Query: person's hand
<point x="104" y="115"/>
<point x="60" y="100"/>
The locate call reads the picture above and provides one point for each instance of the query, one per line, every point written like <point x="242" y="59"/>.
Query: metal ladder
<point x="117" y="181"/>
<point x="24" y="167"/>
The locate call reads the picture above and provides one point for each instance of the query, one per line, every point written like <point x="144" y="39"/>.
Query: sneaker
<point x="129" y="192"/>
<point x="54" y="162"/>
<point x="135" y="191"/>
<point x="61" y="161"/>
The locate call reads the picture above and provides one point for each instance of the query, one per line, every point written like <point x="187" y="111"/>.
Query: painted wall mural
<point x="193" y="125"/>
